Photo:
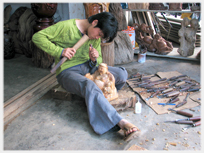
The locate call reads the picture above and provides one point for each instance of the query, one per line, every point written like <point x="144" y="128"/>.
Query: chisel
<point x="181" y="112"/>
<point x="196" y="118"/>
<point x="183" y="102"/>
<point x="194" y="125"/>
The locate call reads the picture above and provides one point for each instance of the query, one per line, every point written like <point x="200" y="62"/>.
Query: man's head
<point x="107" y="23"/>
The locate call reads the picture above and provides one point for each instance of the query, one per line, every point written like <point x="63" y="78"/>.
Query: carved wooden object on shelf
<point x="187" y="36"/>
<point x="175" y="6"/>
<point x="144" y="6"/>
<point x="95" y="8"/>
<point x="156" y="44"/>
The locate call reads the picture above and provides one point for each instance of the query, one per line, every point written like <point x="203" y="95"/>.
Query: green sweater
<point x="65" y="34"/>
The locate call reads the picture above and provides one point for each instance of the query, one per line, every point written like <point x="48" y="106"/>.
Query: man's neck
<point x="83" y="25"/>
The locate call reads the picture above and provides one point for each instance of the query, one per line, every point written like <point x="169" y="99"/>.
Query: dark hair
<point x="107" y="23"/>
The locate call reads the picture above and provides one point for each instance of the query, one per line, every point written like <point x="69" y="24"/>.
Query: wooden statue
<point x="187" y="37"/>
<point x="143" y="36"/>
<point x="105" y="81"/>
<point x="95" y="8"/>
<point x="162" y="46"/>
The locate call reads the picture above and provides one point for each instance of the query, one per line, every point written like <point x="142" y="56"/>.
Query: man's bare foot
<point x="122" y="124"/>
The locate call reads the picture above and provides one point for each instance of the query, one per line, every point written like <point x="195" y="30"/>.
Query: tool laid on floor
<point x="154" y="94"/>
<point x="76" y="46"/>
<point x="196" y="118"/>
<point x="194" y="125"/>
<point x="183" y="102"/>
<point x="169" y="94"/>
<point x="181" y="112"/>
<point x="180" y="122"/>
<point x="165" y="104"/>
<point x="172" y="100"/>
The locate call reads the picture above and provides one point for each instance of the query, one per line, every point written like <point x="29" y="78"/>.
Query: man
<point x="58" y="40"/>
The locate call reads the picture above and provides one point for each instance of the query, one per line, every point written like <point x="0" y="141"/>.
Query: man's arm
<point x="43" y="40"/>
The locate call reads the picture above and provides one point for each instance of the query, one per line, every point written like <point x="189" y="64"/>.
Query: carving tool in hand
<point x="194" y="125"/>
<point x="76" y="46"/>
<point x="181" y="112"/>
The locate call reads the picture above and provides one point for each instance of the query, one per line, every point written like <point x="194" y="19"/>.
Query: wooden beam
<point x="24" y="100"/>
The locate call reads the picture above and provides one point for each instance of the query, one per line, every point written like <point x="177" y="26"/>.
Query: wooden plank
<point x="150" y="21"/>
<point x="27" y="89"/>
<point x="26" y="97"/>
<point x="145" y="20"/>
<point x="43" y="90"/>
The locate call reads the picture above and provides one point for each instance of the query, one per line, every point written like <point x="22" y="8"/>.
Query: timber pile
<point x="176" y="26"/>
<point x="20" y="25"/>
<point x="22" y="101"/>
<point x="123" y="48"/>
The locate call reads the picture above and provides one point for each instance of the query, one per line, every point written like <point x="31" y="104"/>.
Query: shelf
<point x="173" y="54"/>
<point x="144" y="10"/>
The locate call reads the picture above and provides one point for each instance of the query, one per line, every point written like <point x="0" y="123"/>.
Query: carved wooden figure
<point x="162" y="46"/>
<point x="187" y="37"/>
<point x="105" y="81"/>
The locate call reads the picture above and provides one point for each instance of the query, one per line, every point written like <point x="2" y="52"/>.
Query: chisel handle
<point x="197" y="123"/>
<point x="174" y="100"/>
<point x="76" y="46"/>
<point x="184" y="113"/>
<point x="196" y="118"/>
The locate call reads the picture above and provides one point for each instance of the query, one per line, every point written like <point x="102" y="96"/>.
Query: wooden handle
<point x="184" y="113"/>
<point x="76" y="46"/>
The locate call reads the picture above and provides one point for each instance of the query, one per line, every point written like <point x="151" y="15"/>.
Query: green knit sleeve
<point x="45" y="39"/>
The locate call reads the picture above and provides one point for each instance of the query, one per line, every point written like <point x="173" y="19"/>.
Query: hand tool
<point x="196" y="118"/>
<point x="154" y="94"/>
<point x="194" y="125"/>
<point x="169" y="94"/>
<point x="165" y="104"/>
<point x="172" y="100"/>
<point x="76" y="46"/>
<point x="180" y="122"/>
<point x="176" y="77"/>
<point x="92" y="48"/>
<point x="183" y="102"/>
<point x="192" y="90"/>
<point x="181" y="112"/>
<point x="167" y="90"/>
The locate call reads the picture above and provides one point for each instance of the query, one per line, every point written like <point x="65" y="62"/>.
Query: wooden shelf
<point x="173" y="54"/>
<point x="144" y="10"/>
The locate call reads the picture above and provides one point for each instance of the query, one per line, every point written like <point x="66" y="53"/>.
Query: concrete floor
<point x="53" y="124"/>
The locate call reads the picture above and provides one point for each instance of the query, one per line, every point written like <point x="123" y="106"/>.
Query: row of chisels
<point x="166" y="88"/>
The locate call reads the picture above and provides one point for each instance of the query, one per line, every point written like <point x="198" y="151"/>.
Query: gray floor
<point x="53" y="124"/>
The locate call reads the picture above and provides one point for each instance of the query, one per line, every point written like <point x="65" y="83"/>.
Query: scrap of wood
<point x="135" y="147"/>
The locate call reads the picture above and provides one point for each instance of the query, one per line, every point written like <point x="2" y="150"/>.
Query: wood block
<point x="60" y="93"/>
<point x="126" y="99"/>
<point x="135" y="147"/>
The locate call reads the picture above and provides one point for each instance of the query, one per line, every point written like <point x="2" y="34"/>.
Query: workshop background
<point x="39" y="115"/>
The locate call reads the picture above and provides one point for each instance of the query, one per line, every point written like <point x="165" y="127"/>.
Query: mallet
<point x="76" y="46"/>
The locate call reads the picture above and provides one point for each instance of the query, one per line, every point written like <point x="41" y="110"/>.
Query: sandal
<point x="133" y="134"/>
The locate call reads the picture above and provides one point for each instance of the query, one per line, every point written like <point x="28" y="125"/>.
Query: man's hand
<point x="69" y="52"/>
<point x="93" y="54"/>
